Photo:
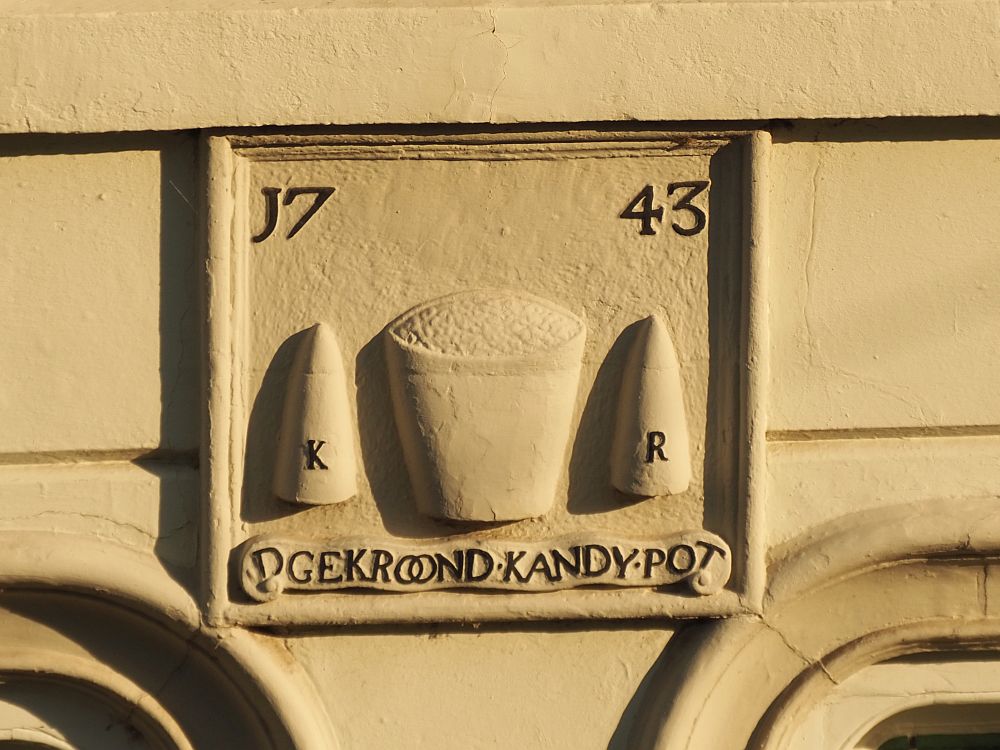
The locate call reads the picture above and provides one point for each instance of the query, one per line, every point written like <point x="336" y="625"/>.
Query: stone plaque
<point x="518" y="363"/>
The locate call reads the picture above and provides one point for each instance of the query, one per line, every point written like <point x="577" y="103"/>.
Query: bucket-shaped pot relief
<point x="484" y="388"/>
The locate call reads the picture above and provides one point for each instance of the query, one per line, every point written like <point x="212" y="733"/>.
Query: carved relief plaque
<point x="443" y="365"/>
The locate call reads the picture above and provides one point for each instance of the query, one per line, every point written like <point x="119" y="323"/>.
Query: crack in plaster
<point x="809" y="265"/>
<point x="815" y="355"/>
<point x="809" y="661"/>
<point x="461" y="86"/>
<point x="984" y="596"/>
<point x="183" y="197"/>
<point x="96" y="517"/>
<point x="161" y="688"/>
<point x="182" y="320"/>
<point x="286" y="646"/>
<point x="503" y="64"/>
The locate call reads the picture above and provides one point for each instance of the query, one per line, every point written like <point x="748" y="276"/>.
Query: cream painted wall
<point x="883" y="268"/>
<point x="99" y="298"/>
<point x="884" y="307"/>
<point x="537" y="687"/>
<point x="238" y="63"/>
<point x="100" y="307"/>
<point x="883" y="243"/>
<point x="885" y="280"/>
<point x="101" y="295"/>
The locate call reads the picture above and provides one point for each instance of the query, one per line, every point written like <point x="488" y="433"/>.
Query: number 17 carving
<point x="271" y="207"/>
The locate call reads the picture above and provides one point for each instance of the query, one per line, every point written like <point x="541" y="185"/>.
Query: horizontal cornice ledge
<point x="134" y="69"/>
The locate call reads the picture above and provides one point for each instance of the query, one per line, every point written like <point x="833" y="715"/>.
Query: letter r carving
<point x="654" y="447"/>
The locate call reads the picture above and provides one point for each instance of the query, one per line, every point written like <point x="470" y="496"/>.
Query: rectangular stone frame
<point x="222" y="446"/>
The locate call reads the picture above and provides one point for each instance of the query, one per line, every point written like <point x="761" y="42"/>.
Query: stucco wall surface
<point x="877" y="252"/>
<point x="126" y="67"/>
<point x="883" y="312"/>
<point x="538" y="687"/>
<point x="882" y="266"/>
<point x="101" y="335"/>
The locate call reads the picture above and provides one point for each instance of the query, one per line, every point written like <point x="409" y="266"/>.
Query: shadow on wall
<point x="590" y="488"/>
<point x="77" y="641"/>
<point x="258" y="502"/>
<point x="653" y="697"/>
<point x="379" y="445"/>
<point x="40" y="713"/>
<point x="175" y="463"/>
<point x="590" y="485"/>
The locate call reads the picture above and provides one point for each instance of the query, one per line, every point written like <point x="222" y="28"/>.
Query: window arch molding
<point x="908" y="581"/>
<point x="90" y="612"/>
<point x="934" y="718"/>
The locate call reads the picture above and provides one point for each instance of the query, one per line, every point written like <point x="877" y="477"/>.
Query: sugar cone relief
<point x="484" y="388"/>
<point x="316" y="461"/>
<point x="650" y="453"/>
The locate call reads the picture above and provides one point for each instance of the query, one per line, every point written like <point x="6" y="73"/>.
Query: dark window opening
<point x="944" y="742"/>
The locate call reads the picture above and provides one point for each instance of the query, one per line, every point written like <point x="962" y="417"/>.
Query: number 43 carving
<point x="641" y="208"/>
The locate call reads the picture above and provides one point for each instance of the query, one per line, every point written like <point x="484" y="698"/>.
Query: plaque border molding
<point x="223" y="163"/>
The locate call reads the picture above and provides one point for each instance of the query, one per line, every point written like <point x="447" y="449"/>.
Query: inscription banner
<point x="271" y="566"/>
